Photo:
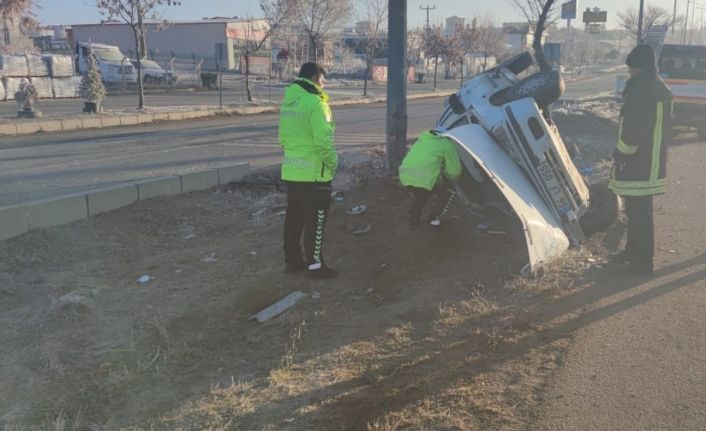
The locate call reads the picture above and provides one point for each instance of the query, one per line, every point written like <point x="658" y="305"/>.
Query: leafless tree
<point x="371" y="36"/>
<point x="454" y="48"/>
<point x="532" y="10"/>
<point x="134" y="13"/>
<point x="17" y="12"/>
<point x="320" y="18"/>
<point x="654" y="15"/>
<point x="259" y="31"/>
<point x="488" y="40"/>
<point x="434" y="45"/>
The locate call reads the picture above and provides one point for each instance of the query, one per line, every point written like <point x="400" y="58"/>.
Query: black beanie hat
<point x="642" y="56"/>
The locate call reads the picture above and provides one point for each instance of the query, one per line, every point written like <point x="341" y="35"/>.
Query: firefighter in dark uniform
<point x="639" y="170"/>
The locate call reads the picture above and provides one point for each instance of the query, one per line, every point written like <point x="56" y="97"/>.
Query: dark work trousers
<point x="444" y="195"/>
<point x="640" y="246"/>
<point x="307" y="208"/>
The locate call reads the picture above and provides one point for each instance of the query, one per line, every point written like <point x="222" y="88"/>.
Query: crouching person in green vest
<point x="428" y="169"/>
<point x="640" y="164"/>
<point x="306" y="131"/>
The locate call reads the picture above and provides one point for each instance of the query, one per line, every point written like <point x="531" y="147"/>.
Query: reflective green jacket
<point x="640" y="166"/>
<point x="428" y="157"/>
<point x="306" y="130"/>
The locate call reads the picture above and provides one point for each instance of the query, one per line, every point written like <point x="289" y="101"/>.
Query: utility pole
<point x="674" y="17"/>
<point x="427" y="9"/>
<point x="641" y="16"/>
<point x="686" y="23"/>
<point x="396" y="124"/>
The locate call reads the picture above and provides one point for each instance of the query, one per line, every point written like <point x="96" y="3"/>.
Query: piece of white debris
<point x="279" y="307"/>
<point x="144" y="279"/>
<point x="672" y="252"/>
<point x="358" y="209"/>
<point x="178" y="271"/>
<point x="315" y="295"/>
<point x="210" y="258"/>
<point x="370" y="290"/>
<point x="253" y="253"/>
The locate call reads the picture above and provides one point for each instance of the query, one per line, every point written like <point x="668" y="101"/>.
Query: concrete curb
<point x="16" y="220"/>
<point x="20" y="128"/>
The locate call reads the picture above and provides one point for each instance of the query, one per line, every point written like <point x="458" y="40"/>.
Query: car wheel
<point x="603" y="211"/>
<point x="544" y="87"/>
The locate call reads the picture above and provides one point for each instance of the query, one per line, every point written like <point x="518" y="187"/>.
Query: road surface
<point x="639" y="357"/>
<point x="46" y="165"/>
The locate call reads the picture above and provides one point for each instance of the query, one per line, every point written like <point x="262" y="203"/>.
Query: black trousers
<point x="640" y="246"/>
<point x="307" y="209"/>
<point x="444" y="195"/>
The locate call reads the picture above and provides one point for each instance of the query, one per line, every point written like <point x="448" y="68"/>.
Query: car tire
<point x="603" y="211"/>
<point x="544" y="87"/>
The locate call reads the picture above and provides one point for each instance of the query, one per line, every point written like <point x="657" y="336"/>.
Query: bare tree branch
<point x="134" y="13"/>
<point x="654" y="15"/>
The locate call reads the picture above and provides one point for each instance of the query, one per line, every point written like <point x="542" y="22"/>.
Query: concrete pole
<point x="641" y="16"/>
<point x="396" y="126"/>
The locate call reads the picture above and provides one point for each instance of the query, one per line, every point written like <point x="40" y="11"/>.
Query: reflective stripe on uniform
<point x="622" y="146"/>
<point x="638" y="188"/>
<point x="657" y="142"/>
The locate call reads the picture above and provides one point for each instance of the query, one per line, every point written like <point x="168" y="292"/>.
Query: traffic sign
<point x="568" y="9"/>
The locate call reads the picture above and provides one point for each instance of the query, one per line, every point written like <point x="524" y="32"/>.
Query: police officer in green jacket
<point x="640" y="163"/>
<point x="426" y="170"/>
<point x="306" y="131"/>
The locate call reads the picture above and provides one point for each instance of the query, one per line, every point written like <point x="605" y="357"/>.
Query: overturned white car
<point x="514" y="157"/>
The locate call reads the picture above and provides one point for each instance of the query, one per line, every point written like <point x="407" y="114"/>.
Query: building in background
<point x="453" y="24"/>
<point x="208" y="40"/>
<point x="519" y="36"/>
<point x="12" y="39"/>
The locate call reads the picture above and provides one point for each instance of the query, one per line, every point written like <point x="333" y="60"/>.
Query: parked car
<point x="153" y="73"/>
<point x="112" y="63"/>
<point x="515" y="159"/>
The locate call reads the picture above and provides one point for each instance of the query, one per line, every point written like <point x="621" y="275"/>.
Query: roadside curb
<point x="50" y="125"/>
<point x="16" y="220"/>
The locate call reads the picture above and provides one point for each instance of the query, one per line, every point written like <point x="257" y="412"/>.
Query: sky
<point x="83" y="11"/>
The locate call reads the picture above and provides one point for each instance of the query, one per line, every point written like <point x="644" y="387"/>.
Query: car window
<point x="683" y="63"/>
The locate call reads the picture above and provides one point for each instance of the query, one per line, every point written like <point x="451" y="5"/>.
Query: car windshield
<point x="108" y="54"/>
<point x="149" y="64"/>
<point x="683" y="62"/>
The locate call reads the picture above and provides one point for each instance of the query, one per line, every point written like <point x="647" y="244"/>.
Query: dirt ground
<point x="423" y="330"/>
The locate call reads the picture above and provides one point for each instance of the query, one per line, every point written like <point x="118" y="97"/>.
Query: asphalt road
<point x="638" y="361"/>
<point x="46" y="165"/>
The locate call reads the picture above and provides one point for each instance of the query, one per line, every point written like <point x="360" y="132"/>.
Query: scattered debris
<point x="358" y="209"/>
<point x="362" y="230"/>
<point x="144" y="279"/>
<point x="337" y="196"/>
<point x="279" y="307"/>
<point x="210" y="258"/>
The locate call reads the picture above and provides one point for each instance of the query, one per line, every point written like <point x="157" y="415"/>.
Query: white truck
<point x="683" y="68"/>
<point x="113" y="65"/>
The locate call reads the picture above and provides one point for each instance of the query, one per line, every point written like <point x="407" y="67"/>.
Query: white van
<point x="113" y="65"/>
